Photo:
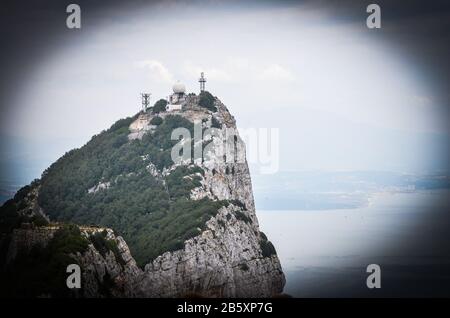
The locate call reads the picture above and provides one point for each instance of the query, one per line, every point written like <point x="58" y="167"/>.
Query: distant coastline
<point x="336" y="190"/>
<point x="319" y="190"/>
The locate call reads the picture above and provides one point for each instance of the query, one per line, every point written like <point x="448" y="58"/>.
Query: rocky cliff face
<point x="229" y="257"/>
<point x="225" y="260"/>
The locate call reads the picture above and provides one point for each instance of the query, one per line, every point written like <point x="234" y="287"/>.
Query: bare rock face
<point x="120" y="270"/>
<point x="224" y="261"/>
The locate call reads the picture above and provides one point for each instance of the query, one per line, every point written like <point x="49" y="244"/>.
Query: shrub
<point x="121" y="123"/>
<point x="242" y="216"/>
<point x="221" y="223"/>
<point x="104" y="245"/>
<point x="215" y="123"/>
<point x="98" y="239"/>
<point x="119" y="141"/>
<point x="22" y="193"/>
<point x="39" y="220"/>
<point x="160" y="106"/>
<point x="267" y="248"/>
<point x="9" y="218"/>
<point x="156" y="121"/>
<point x="263" y="236"/>
<point x="179" y="185"/>
<point x="68" y="239"/>
<point x="244" y="266"/>
<point x="175" y="246"/>
<point x="207" y="101"/>
<point x="105" y="286"/>
<point x="239" y="203"/>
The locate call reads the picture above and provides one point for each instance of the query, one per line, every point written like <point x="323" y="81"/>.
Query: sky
<point x="342" y="96"/>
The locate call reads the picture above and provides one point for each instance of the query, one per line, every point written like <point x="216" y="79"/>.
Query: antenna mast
<point x="202" y="82"/>
<point x="145" y="101"/>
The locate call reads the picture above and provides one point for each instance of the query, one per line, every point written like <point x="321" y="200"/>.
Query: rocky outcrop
<point x="119" y="273"/>
<point x="103" y="275"/>
<point x="25" y="238"/>
<point x="224" y="261"/>
<point x="99" y="186"/>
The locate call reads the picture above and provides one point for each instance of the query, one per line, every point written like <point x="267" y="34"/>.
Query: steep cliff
<point x="191" y="224"/>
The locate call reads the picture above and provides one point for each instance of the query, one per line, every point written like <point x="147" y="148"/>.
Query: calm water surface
<point x="325" y="253"/>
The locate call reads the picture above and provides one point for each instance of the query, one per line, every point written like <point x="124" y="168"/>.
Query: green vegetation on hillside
<point x="156" y="121"/>
<point x="182" y="180"/>
<point x="266" y="246"/>
<point x="153" y="216"/>
<point x="160" y="106"/>
<point x="9" y="212"/>
<point x="42" y="272"/>
<point x="242" y="216"/>
<point x="207" y="101"/>
<point x="104" y="245"/>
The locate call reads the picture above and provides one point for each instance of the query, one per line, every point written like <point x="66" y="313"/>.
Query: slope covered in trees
<point x="153" y="214"/>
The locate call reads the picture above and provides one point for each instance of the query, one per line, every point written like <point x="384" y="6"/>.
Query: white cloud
<point x="422" y="100"/>
<point x="239" y="69"/>
<point x="213" y="73"/>
<point x="275" y="72"/>
<point x="158" y="71"/>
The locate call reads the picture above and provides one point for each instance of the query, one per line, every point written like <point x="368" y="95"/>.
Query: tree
<point x="156" y="121"/>
<point x="160" y="106"/>
<point x="207" y="101"/>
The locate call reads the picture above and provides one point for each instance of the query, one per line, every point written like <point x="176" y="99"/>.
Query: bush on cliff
<point x="267" y="248"/>
<point x="156" y="121"/>
<point x="160" y="106"/>
<point x="207" y="101"/>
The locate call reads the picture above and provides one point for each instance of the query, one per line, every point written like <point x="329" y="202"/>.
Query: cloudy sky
<point x="344" y="97"/>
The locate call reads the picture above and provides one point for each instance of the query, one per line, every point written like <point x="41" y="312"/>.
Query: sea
<point x="325" y="253"/>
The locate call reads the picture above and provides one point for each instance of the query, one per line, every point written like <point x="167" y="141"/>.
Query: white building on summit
<point x="178" y="98"/>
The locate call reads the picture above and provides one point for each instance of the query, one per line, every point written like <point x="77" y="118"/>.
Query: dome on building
<point x="179" y="88"/>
